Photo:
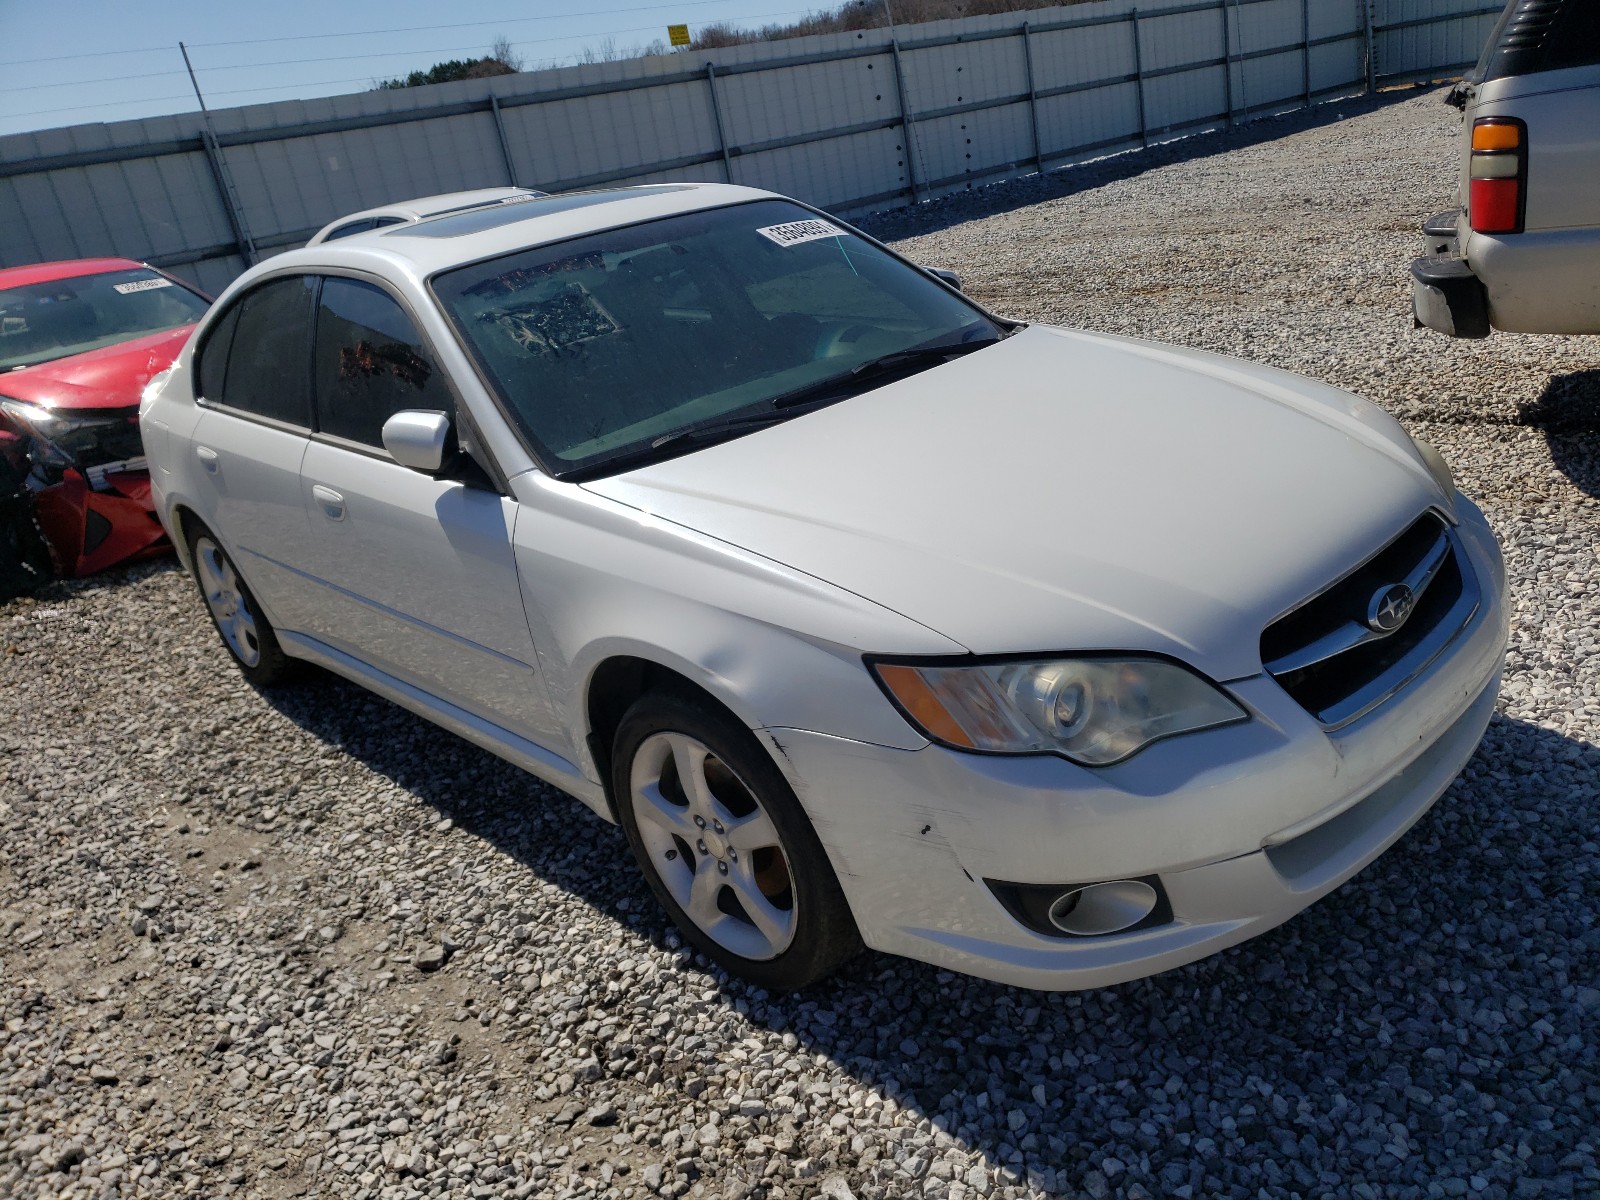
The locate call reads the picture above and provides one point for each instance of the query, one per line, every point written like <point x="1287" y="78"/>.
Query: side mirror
<point x="417" y="439"/>
<point x="949" y="277"/>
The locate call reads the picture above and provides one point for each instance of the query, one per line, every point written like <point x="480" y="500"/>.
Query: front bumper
<point x="1243" y="826"/>
<point x="96" y="519"/>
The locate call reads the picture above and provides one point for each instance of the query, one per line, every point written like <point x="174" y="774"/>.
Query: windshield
<point x="608" y="345"/>
<point x="45" y="321"/>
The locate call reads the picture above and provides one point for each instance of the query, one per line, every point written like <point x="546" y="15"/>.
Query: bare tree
<point x="500" y="50"/>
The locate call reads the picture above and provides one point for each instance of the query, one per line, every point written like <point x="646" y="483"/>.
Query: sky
<point x="71" y="62"/>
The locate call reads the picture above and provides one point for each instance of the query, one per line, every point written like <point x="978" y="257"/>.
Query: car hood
<point x="1066" y="491"/>
<point x="111" y="377"/>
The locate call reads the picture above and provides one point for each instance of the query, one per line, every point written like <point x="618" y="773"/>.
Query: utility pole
<point x="219" y="171"/>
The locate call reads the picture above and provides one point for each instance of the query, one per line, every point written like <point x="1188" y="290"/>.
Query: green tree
<point x="499" y="61"/>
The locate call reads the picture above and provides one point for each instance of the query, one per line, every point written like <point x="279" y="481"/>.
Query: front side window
<point x="268" y="364"/>
<point x="44" y="321"/>
<point x="370" y="363"/>
<point x="606" y="346"/>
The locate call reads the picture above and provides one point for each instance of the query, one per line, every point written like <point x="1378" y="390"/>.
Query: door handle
<point x="331" y="501"/>
<point x="208" y="458"/>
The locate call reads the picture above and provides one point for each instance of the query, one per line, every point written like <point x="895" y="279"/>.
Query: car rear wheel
<point x="245" y="631"/>
<point x="725" y="845"/>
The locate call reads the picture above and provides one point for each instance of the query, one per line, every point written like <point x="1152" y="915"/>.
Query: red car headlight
<point x="81" y="440"/>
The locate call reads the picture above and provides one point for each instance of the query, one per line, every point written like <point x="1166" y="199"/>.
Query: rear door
<point x="254" y="425"/>
<point x="416" y="575"/>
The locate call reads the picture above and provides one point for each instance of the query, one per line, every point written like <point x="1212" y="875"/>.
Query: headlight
<point x="1437" y="467"/>
<point x="66" y="438"/>
<point x="1094" y="710"/>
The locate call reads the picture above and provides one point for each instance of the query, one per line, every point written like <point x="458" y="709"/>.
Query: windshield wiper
<point x="782" y="408"/>
<point x="918" y="355"/>
<point x="717" y="430"/>
<point x="841" y="385"/>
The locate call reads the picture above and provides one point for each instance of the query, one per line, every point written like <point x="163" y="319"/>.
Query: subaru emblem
<point x="1390" y="607"/>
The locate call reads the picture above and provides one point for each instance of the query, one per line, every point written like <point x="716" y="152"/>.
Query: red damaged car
<point x="78" y="342"/>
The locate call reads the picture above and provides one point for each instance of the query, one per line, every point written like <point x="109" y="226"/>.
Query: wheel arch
<point x="613" y="686"/>
<point x="185" y="521"/>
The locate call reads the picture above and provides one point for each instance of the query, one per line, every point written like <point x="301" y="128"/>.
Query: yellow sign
<point x="678" y="34"/>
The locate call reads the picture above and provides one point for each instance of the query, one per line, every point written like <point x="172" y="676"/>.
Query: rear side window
<point x="213" y="354"/>
<point x="1541" y="35"/>
<point x="370" y="363"/>
<point x="267" y="361"/>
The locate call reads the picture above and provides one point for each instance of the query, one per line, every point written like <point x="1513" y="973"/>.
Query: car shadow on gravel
<point x="1413" y="1021"/>
<point x="1011" y="194"/>
<point x="1568" y="413"/>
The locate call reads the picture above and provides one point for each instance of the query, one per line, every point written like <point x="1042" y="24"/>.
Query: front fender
<point x="779" y="648"/>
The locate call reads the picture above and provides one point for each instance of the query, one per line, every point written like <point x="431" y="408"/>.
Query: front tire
<point x="725" y="845"/>
<point x="239" y="621"/>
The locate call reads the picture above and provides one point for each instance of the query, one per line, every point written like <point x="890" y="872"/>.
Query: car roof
<point x="437" y="243"/>
<point x="67" y="269"/>
<point x="423" y="207"/>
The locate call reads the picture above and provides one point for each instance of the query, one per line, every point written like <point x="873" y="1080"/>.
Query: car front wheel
<point x="725" y="845"/>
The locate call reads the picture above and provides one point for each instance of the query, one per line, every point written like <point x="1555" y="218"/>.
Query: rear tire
<point x="725" y="845"/>
<point x="245" y="631"/>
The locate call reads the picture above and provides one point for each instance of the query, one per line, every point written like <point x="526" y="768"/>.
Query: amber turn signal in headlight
<point x="1093" y="710"/>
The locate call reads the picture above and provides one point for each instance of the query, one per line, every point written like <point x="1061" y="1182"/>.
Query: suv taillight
<point x="1498" y="171"/>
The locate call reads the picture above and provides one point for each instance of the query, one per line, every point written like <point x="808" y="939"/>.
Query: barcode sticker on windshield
<point x="795" y="232"/>
<point x="140" y="285"/>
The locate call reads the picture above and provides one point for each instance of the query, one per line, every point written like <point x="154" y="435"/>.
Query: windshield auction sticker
<point x="140" y="285"/>
<point x="795" y="232"/>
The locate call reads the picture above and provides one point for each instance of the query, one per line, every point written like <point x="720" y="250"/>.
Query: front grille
<point x="1336" y="663"/>
<point x="111" y="440"/>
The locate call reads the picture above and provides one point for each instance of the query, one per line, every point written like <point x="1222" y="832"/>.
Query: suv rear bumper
<point x="1439" y="234"/>
<point x="1448" y="297"/>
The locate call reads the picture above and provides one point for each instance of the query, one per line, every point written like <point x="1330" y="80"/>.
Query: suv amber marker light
<point x="1496" y="172"/>
<point x="1489" y="134"/>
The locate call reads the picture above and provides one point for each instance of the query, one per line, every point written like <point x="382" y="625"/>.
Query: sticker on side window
<point x="794" y="232"/>
<point x="140" y="285"/>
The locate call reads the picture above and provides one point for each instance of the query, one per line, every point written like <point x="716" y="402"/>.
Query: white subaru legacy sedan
<point x="872" y="617"/>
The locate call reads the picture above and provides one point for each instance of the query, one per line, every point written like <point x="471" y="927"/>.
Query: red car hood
<point x="111" y="377"/>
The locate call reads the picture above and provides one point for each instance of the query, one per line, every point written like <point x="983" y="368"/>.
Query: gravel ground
<point x="309" y="945"/>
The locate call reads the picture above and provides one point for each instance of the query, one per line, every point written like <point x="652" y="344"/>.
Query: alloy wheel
<point x="714" y="846"/>
<point x="225" y="596"/>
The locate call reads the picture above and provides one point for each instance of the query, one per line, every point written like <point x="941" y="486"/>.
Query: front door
<point x="417" y="575"/>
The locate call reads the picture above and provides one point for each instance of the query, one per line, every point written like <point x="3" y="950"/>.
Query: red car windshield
<point x="45" y="321"/>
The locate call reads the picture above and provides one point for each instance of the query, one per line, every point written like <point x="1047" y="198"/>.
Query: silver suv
<point x="1522" y="252"/>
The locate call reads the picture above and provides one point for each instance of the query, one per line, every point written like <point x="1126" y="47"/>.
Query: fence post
<point x="1372" y="58"/>
<point x="905" y="118"/>
<point x="1138" y="78"/>
<point x="505" y="145"/>
<point x="716" y="111"/>
<point x="1227" y="58"/>
<point x="1033" y="97"/>
<point x="1305" y="51"/>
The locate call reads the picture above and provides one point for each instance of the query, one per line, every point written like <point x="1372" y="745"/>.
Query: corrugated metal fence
<point x="849" y="122"/>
